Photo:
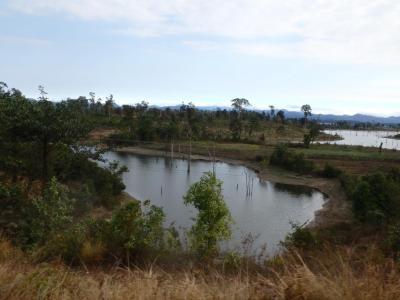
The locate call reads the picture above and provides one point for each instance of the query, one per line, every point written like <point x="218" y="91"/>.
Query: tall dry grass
<point x="342" y="273"/>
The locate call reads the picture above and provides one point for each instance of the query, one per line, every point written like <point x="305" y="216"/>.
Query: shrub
<point x="330" y="171"/>
<point x="137" y="230"/>
<point x="393" y="239"/>
<point x="49" y="213"/>
<point x="12" y="204"/>
<point x="212" y="223"/>
<point x="301" y="237"/>
<point x="376" y="199"/>
<point x="290" y="160"/>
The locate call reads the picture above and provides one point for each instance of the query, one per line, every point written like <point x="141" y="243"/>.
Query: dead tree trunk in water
<point x="190" y="154"/>
<point x="172" y="151"/>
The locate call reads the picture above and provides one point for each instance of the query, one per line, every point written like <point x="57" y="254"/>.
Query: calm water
<point x="366" y="138"/>
<point x="266" y="214"/>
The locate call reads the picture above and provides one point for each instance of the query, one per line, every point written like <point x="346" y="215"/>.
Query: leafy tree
<point x="272" y="111"/>
<point x="235" y="125"/>
<point x="306" y="109"/>
<point x="240" y="104"/>
<point x="280" y="115"/>
<point x="310" y="137"/>
<point x="253" y="124"/>
<point x="213" y="221"/>
<point x="109" y="105"/>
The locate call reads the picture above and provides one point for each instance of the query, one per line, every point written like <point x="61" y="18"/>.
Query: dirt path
<point x="335" y="210"/>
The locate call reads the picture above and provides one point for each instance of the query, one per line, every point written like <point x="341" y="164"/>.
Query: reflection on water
<point x="265" y="214"/>
<point x="366" y="138"/>
<point x="294" y="190"/>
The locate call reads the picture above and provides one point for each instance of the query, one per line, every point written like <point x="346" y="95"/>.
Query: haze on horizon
<point x="338" y="56"/>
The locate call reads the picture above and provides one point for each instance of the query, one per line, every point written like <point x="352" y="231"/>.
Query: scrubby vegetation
<point x="68" y="231"/>
<point x="290" y="160"/>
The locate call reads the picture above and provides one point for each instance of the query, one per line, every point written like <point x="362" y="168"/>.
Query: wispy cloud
<point x="352" y="31"/>
<point x="19" y="40"/>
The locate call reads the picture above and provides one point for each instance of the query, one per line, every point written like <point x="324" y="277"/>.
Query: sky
<point x="339" y="56"/>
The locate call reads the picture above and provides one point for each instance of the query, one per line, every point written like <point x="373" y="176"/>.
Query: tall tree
<point x="306" y="109"/>
<point x="240" y="104"/>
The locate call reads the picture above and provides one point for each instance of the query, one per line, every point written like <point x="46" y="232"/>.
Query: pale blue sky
<point x="338" y="56"/>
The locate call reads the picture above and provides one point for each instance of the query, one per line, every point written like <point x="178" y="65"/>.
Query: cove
<point x="265" y="214"/>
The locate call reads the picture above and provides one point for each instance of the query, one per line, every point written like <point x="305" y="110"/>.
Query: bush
<point x="376" y="198"/>
<point x="330" y="171"/>
<point x="134" y="231"/>
<point x="137" y="230"/>
<point x="290" y="160"/>
<point x="393" y="239"/>
<point x="301" y="237"/>
<point x="48" y="214"/>
<point x="12" y="205"/>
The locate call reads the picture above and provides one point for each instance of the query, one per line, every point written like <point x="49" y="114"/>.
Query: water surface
<point x="366" y="138"/>
<point x="266" y="214"/>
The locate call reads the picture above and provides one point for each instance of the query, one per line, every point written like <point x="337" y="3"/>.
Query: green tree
<point x="306" y="109"/>
<point x="310" y="137"/>
<point x="109" y="105"/>
<point x="280" y="115"/>
<point x="235" y="125"/>
<point x="213" y="221"/>
<point x="240" y="104"/>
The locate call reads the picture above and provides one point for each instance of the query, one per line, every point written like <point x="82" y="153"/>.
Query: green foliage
<point x="290" y="160"/>
<point x="212" y="223"/>
<point x="49" y="213"/>
<point x="330" y="171"/>
<point x="12" y="207"/>
<point x="376" y="198"/>
<point x="301" y="237"/>
<point x="393" y="238"/>
<point x="30" y="131"/>
<point x="137" y="229"/>
<point x="310" y="137"/>
<point x="134" y="230"/>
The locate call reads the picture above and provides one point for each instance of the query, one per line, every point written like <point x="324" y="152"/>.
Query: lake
<point x="366" y="138"/>
<point x="266" y="214"/>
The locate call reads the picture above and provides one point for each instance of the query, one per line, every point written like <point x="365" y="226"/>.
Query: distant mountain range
<point x="357" y="118"/>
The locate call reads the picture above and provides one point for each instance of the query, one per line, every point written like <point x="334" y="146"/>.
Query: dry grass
<point x="343" y="273"/>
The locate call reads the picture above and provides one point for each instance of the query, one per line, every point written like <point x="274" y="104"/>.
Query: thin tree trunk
<point x="44" y="159"/>
<point x="190" y="154"/>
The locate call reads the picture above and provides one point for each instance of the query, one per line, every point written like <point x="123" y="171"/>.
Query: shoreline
<point x="334" y="210"/>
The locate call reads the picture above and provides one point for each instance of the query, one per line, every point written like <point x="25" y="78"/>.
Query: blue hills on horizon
<point x="356" y="118"/>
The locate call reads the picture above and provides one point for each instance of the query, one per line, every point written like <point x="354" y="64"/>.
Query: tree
<point x="280" y="115"/>
<point x="30" y="130"/>
<point x="306" y="109"/>
<point x="272" y="111"/>
<point x="310" y="137"/>
<point x="109" y="105"/>
<point x="213" y="221"/>
<point x="240" y="104"/>
<point x="235" y="125"/>
<point x="253" y="124"/>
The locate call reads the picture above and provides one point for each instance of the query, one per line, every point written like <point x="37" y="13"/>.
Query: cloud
<point x="18" y="40"/>
<point x="351" y="31"/>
